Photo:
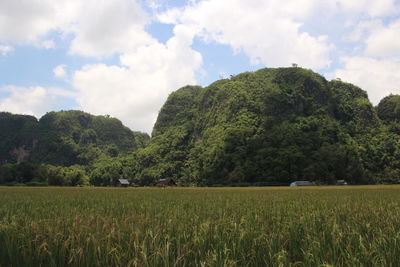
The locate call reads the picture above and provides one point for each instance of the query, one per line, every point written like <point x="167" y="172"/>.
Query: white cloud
<point x="362" y="30"/>
<point x="59" y="71"/>
<point x="48" y="44"/>
<point x="370" y="8"/>
<point x="135" y="92"/>
<point x="106" y="27"/>
<point x="99" y="28"/>
<point x="271" y="32"/>
<point x="267" y="31"/>
<point x="384" y="41"/>
<point x="26" y="20"/>
<point x="33" y="100"/>
<point x="376" y="68"/>
<point x="153" y="4"/>
<point x="378" y="77"/>
<point x="5" y="49"/>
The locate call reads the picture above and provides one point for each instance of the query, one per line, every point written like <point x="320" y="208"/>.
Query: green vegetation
<point x="65" y="138"/>
<point x="389" y="112"/>
<point x="271" y="127"/>
<point x="65" y="148"/>
<point x="321" y="226"/>
<point x="27" y="173"/>
<point x="268" y="127"/>
<point x="18" y="137"/>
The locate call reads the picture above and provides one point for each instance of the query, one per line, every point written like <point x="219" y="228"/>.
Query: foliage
<point x="41" y="174"/>
<point x="65" y="138"/>
<point x="389" y="112"/>
<point x="18" y="136"/>
<point x="272" y="126"/>
<point x="389" y="109"/>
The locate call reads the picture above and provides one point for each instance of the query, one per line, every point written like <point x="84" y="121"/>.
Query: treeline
<point x="105" y="172"/>
<point x="31" y="174"/>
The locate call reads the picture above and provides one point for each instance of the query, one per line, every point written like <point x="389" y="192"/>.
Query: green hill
<point x="389" y="112"/>
<point x="18" y="137"/>
<point x="65" y="138"/>
<point x="268" y="127"/>
<point x="272" y="126"/>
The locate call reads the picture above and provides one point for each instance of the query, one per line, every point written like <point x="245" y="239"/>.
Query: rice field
<point x="315" y="226"/>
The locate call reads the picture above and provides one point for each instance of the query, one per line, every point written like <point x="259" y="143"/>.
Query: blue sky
<point x="123" y="57"/>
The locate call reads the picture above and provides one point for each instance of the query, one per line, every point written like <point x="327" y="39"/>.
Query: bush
<point x="36" y="183"/>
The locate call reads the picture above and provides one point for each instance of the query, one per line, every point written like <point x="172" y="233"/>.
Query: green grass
<point x="339" y="226"/>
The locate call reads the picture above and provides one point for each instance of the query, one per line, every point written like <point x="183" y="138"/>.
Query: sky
<point x="124" y="57"/>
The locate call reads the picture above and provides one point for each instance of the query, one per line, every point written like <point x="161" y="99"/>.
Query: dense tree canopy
<point x="268" y="127"/>
<point x="65" y="138"/>
<point x="272" y="126"/>
<point x="18" y="136"/>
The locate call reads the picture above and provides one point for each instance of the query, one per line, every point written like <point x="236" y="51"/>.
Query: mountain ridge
<point x="268" y="127"/>
<point x="63" y="137"/>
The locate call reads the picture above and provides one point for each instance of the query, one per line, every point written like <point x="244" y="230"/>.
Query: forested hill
<point x="273" y="126"/>
<point x="268" y="127"/>
<point x="65" y="138"/>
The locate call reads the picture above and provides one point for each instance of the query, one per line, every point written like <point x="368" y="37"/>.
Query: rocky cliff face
<point x="22" y="153"/>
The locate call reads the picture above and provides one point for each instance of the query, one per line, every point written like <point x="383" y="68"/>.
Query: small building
<point x="123" y="183"/>
<point x="302" y="183"/>
<point x="341" y="182"/>
<point x="165" y="182"/>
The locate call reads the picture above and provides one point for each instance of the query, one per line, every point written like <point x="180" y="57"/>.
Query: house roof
<point x="123" y="181"/>
<point x="302" y="183"/>
<point x="165" y="182"/>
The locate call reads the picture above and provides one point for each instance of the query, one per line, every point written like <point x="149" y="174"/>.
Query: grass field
<point x="339" y="226"/>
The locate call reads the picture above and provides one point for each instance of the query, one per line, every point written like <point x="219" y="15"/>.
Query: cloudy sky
<point x="123" y="57"/>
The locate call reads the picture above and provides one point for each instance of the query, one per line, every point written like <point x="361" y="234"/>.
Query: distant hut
<point x="302" y="183"/>
<point x="165" y="182"/>
<point x="123" y="183"/>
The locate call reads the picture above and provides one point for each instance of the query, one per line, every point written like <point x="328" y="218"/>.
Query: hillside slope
<point x="272" y="126"/>
<point x="18" y="136"/>
<point x="65" y="138"/>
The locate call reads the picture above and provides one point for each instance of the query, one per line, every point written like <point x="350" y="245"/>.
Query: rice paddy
<point x="314" y="226"/>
